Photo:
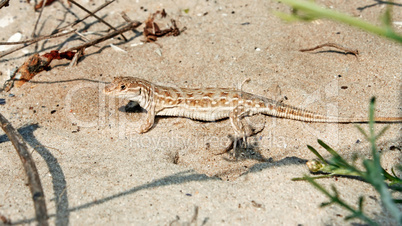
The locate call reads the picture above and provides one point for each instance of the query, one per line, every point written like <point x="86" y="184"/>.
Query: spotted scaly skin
<point x="211" y="104"/>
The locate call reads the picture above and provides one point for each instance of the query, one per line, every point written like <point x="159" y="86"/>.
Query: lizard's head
<point x="126" y="87"/>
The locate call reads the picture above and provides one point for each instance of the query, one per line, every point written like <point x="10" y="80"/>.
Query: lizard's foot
<point x="140" y="130"/>
<point x="144" y="127"/>
<point x="239" y="144"/>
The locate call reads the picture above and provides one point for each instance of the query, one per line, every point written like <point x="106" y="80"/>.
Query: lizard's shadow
<point x="240" y="150"/>
<point x="133" y="107"/>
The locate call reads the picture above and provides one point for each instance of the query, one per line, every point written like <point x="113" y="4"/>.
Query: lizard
<point x="212" y="104"/>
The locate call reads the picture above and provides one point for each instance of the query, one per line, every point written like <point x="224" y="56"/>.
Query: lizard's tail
<point x="290" y="112"/>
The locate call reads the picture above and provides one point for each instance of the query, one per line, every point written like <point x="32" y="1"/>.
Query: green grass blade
<point x="316" y="153"/>
<point x="314" y="10"/>
<point x="375" y="174"/>
<point x="335" y="199"/>
<point x="363" y="132"/>
<point x="328" y="148"/>
<point x="381" y="132"/>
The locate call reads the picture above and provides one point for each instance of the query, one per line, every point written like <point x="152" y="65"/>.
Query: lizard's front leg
<point x="149" y="122"/>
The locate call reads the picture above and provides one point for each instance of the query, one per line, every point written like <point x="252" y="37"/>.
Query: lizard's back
<point x="207" y="104"/>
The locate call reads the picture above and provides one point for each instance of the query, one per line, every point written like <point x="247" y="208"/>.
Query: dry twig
<point x="77" y="56"/>
<point x="34" y="183"/>
<point x="37" y="20"/>
<point x="125" y="17"/>
<point x="80" y="20"/>
<point x="4" y="3"/>
<point x="31" y="41"/>
<point x="345" y="49"/>
<point x="43" y="3"/>
<point x="37" y="63"/>
<point x="195" y="216"/>
<point x="100" y="19"/>
<point x="152" y="30"/>
<point x="123" y="29"/>
<point x="34" y="65"/>
<point x="37" y="39"/>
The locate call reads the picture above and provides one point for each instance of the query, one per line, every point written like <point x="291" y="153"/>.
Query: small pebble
<point x="158" y="51"/>
<point x="2" y="101"/>
<point x="137" y="44"/>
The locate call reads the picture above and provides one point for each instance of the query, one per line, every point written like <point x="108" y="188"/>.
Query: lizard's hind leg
<point x="242" y="127"/>
<point x="242" y="130"/>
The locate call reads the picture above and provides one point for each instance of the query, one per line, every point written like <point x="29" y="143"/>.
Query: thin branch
<point x="34" y="183"/>
<point x="4" y="3"/>
<point x="30" y="42"/>
<point x="100" y="19"/>
<point x="77" y="56"/>
<point x="37" y="21"/>
<point x="37" y="39"/>
<point x="337" y="46"/>
<point x="123" y="29"/>
<point x="82" y="36"/>
<point x="80" y="20"/>
<point x="15" y="49"/>
<point x="125" y="17"/>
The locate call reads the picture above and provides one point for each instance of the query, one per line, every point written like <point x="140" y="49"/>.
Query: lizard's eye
<point x="123" y="87"/>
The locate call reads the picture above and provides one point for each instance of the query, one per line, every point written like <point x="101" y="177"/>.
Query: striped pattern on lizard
<point x="211" y="104"/>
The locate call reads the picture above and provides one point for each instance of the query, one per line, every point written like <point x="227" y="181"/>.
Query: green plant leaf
<point x="386" y="18"/>
<point x="316" y="153"/>
<point x="381" y="132"/>
<point x="286" y="17"/>
<point x="361" y="200"/>
<point x="373" y="173"/>
<point x="315" y="11"/>
<point x="363" y="132"/>
<point x="329" y="149"/>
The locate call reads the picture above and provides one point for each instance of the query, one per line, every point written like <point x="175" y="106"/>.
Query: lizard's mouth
<point x="109" y="88"/>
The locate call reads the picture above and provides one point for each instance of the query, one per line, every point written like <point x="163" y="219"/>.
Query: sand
<point x="95" y="170"/>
